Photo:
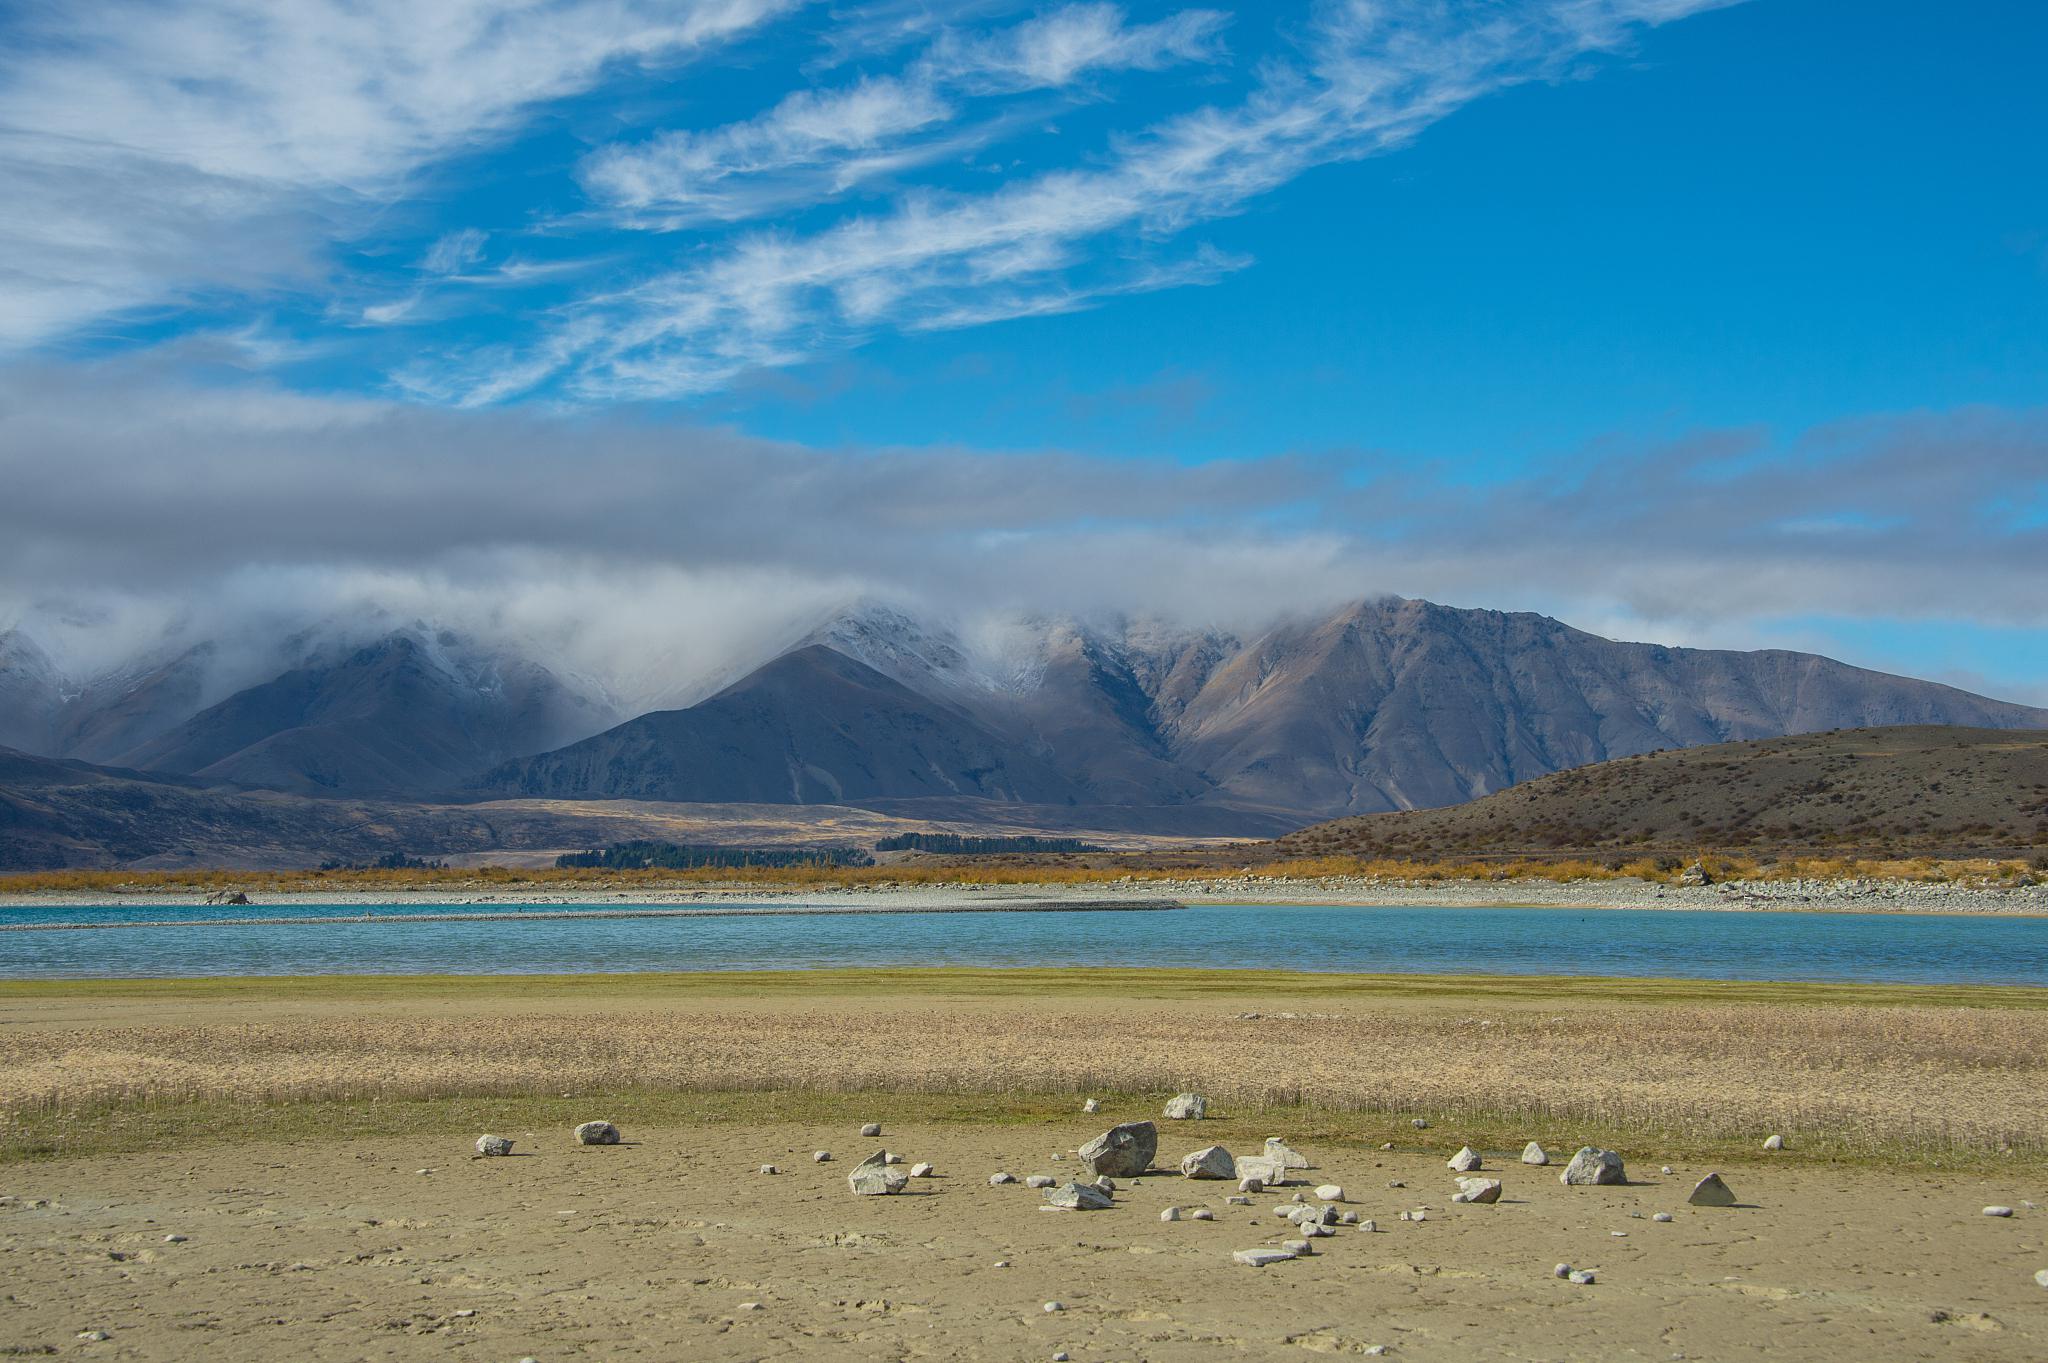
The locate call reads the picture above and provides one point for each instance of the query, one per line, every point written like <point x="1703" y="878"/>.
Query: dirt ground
<point x="674" y="1247"/>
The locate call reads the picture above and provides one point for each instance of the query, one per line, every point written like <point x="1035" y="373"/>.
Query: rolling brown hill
<point x="1914" y="788"/>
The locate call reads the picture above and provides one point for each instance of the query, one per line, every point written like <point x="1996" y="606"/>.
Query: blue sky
<point x="1715" y="323"/>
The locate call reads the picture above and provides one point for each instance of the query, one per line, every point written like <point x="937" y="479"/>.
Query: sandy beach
<point x="674" y="1246"/>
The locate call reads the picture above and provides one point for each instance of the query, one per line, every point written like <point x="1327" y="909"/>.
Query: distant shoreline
<point x="1865" y="896"/>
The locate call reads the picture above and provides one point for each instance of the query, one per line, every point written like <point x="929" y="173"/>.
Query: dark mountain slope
<point x="1404" y="704"/>
<point x="395" y="716"/>
<point x="812" y="726"/>
<point x="1913" y="788"/>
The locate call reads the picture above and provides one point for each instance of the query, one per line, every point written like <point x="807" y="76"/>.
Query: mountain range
<point x="1381" y="705"/>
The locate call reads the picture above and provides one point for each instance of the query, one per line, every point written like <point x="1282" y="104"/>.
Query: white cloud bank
<point x="628" y="546"/>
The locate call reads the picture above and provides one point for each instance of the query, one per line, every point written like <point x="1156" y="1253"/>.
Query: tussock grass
<point x="1916" y="1078"/>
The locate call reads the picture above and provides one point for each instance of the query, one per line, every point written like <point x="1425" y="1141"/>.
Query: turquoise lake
<point x="1926" y="949"/>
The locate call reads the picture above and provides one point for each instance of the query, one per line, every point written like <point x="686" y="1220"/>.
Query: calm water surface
<point x="1701" y="945"/>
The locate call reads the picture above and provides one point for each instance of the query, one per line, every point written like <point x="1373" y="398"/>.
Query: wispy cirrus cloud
<point x="815" y="144"/>
<point x="1370" y="77"/>
<point x="152" y="153"/>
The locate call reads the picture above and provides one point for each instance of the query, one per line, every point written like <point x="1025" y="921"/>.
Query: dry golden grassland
<point x="1050" y="870"/>
<point x="1929" y="1077"/>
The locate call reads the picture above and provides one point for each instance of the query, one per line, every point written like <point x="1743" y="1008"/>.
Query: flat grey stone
<point x="1211" y="1161"/>
<point x="1479" y="1190"/>
<point x="1711" y="1192"/>
<point x="1040" y="1181"/>
<point x="1584" y="1277"/>
<point x="1998" y="1211"/>
<point x="875" y="1177"/>
<point x="1592" y="1166"/>
<point x="1288" y="1158"/>
<point x="1122" y="1151"/>
<point x="1330" y="1192"/>
<point x="1259" y="1258"/>
<point x="1078" y="1197"/>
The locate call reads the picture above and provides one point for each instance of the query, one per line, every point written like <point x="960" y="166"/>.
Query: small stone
<point x="1301" y="1249"/>
<point x="998" y="1180"/>
<point x="1582" y="1276"/>
<point x="597" y="1133"/>
<point x="1315" y="1230"/>
<point x="1998" y="1211"/>
<point x="1187" y="1107"/>
<point x="490" y="1146"/>
<point x="750" y="1306"/>
<point x="871" y="1129"/>
<point x="770" y="1169"/>
<point x="1368" y="1226"/>
<point x="891" y="1157"/>
<point x="1201" y="1214"/>
<point x="1561" y="1271"/>
<point x="1774" y="1143"/>
<point x="1420" y="1124"/>
<point x="1054" y="1307"/>
<point x="1091" y="1106"/>
<point x="821" y="1156"/>
<point x="1465" y="1161"/>
<point x="1592" y="1166"/>
<point x="1661" y="1218"/>
<point x="1060" y="1357"/>
<point x="922" y="1171"/>
<point x="1533" y="1153"/>
<point x="1122" y="1151"/>
<point x="1712" y="1192"/>
<point x="1379" y="1351"/>
<point x="1395" y="1183"/>
<point x="1251" y="1185"/>
<point x="1419" y="1214"/>
<point x="94" y="1336"/>
<point x="1666" y="1171"/>
<point x="1238" y="1199"/>
<point x="1170" y="1214"/>
<point x="1106" y="1184"/>
<point x="2041" y="1278"/>
<point x="176" y="1239"/>
<point x="1348" y="1219"/>
<point x="1078" y="1197"/>
<point x="1211" y="1161"/>
<point x="1330" y="1192"/>
<point x="873" y="1177"/>
<point x="1040" y="1181"/>
<point x="1002" y="1263"/>
<point x="1479" y="1190"/>
<point x="465" y="1313"/>
<point x="1259" y="1258"/>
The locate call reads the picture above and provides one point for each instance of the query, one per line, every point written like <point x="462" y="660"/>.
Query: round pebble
<point x="1998" y="1211"/>
<point x="1662" y="1216"/>
<point x="1170" y="1214"/>
<point x="1201" y="1214"/>
<point x="2042" y="1277"/>
<point x="821" y="1156"/>
<point x="750" y="1306"/>
<point x="871" y="1129"/>
<point x="1054" y="1306"/>
<point x="175" y="1239"/>
<point x="1561" y="1271"/>
<point x="94" y="1336"/>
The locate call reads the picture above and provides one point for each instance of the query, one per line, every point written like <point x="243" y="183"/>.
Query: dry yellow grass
<point x="1898" y="1081"/>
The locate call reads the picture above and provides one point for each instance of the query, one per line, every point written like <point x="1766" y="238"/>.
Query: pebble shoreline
<point x="1848" y="896"/>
